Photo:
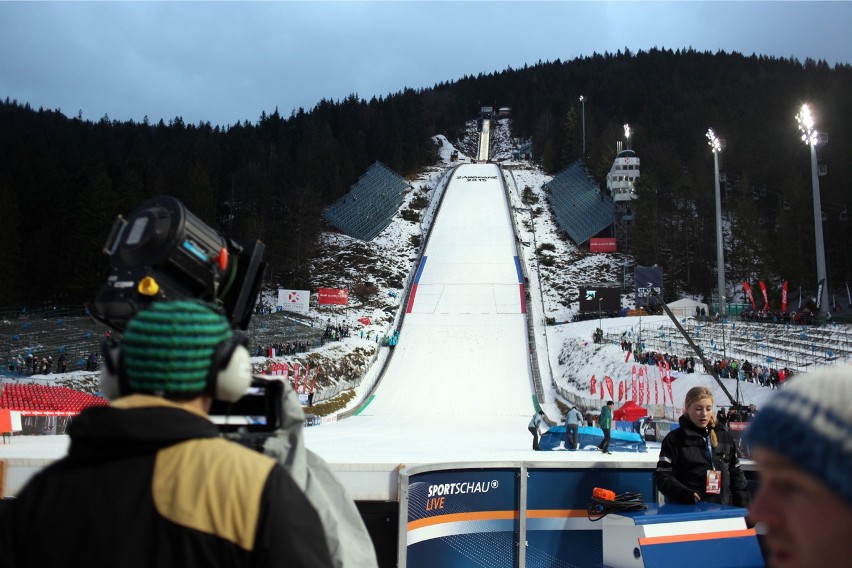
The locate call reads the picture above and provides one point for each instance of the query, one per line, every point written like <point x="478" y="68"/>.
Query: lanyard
<point x="710" y="451"/>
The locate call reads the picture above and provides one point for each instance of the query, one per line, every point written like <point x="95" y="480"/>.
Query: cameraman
<point x="149" y="481"/>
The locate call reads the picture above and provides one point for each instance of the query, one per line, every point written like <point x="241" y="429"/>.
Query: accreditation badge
<point x="714" y="481"/>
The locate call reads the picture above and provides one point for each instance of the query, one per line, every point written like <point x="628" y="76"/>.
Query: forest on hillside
<point x="63" y="180"/>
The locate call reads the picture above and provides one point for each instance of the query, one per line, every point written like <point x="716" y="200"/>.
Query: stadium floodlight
<point x="583" y="103"/>
<point x="714" y="142"/>
<point x="627" y="133"/>
<point x="716" y="146"/>
<point x="811" y="137"/>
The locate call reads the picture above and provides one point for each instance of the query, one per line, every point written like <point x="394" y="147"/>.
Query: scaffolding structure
<point x="580" y="208"/>
<point x="370" y="204"/>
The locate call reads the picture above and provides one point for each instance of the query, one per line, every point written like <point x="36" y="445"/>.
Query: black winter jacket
<point x="683" y="464"/>
<point x="147" y="483"/>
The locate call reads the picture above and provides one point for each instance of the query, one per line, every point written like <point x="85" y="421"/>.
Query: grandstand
<point x="370" y="204"/>
<point x="580" y="208"/>
<point x="774" y="345"/>
<point x="32" y="399"/>
<point x="50" y="332"/>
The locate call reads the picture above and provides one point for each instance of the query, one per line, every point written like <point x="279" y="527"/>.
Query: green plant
<point x="419" y="202"/>
<point x="528" y="197"/>
<point x="411" y="215"/>
<point x="365" y="291"/>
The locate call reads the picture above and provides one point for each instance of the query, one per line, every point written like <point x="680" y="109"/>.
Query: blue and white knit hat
<point x="169" y="347"/>
<point x="809" y="422"/>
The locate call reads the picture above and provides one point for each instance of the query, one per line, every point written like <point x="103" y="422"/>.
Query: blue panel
<point x="572" y="488"/>
<point x="574" y="549"/>
<point x="742" y="552"/>
<point x="420" y="269"/>
<point x="518" y="269"/>
<point x="494" y="550"/>
<point x="489" y="492"/>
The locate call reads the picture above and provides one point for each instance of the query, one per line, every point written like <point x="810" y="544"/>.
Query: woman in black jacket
<point x="698" y="461"/>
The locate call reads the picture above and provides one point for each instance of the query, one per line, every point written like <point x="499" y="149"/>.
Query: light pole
<point x="810" y="136"/>
<point x="583" y="103"/>
<point x="716" y="145"/>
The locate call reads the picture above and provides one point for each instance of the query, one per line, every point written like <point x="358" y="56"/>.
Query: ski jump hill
<point x="459" y="378"/>
<point x="458" y="387"/>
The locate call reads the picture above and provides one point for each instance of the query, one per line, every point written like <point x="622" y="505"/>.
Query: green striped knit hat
<point x="168" y="348"/>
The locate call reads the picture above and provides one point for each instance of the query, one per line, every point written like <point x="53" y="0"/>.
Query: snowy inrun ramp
<point x="461" y="367"/>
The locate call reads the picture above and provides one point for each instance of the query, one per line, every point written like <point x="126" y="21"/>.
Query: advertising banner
<point x="453" y="514"/>
<point x="747" y="290"/>
<point x="649" y="282"/>
<point x="607" y="244"/>
<point x="331" y="296"/>
<point x="294" y="300"/>
<point x="765" y="296"/>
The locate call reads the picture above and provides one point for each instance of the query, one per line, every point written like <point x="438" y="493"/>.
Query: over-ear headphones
<point x="227" y="380"/>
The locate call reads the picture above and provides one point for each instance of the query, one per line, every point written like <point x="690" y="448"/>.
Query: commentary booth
<point x="542" y="514"/>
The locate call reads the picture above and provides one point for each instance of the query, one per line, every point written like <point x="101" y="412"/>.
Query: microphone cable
<point x="605" y="502"/>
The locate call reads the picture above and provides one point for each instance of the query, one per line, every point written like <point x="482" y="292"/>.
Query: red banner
<point x="668" y="382"/>
<point x="641" y="392"/>
<point x="333" y="296"/>
<point x="620" y="391"/>
<point x="594" y="382"/>
<point x="607" y="244"/>
<point x="633" y="389"/>
<point x="784" y="296"/>
<point x="365" y="320"/>
<point x="307" y="373"/>
<point x="295" y="377"/>
<point x="647" y="388"/>
<point x="747" y="289"/>
<point x="609" y="386"/>
<point x="765" y="297"/>
<point x="314" y="382"/>
<point x="656" y="390"/>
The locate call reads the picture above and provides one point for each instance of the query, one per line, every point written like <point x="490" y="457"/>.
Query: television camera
<point x="164" y="252"/>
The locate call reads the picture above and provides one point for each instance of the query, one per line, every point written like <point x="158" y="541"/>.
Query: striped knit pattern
<point x="168" y="348"/>
<point x="809" y="421"/>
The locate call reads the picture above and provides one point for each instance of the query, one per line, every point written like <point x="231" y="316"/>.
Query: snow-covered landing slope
<point x="461" y="368"/>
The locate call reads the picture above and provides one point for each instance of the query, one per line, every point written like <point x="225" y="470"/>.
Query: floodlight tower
<point x="627" y="133"/>
<point x="583" y="103"/>
<point x="716" y="146"/>
<point x="811" y="137"/>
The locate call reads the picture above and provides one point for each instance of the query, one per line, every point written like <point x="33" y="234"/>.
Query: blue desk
<point x="663" y="536"/>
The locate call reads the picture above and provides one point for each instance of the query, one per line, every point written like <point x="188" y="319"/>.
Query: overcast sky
<point x="225" y="62"/>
